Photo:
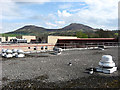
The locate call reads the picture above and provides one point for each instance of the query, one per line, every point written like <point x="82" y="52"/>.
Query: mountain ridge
<point x="36" y="30"/>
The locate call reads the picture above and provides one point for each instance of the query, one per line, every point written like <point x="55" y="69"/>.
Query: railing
<point x="85" y="45"/>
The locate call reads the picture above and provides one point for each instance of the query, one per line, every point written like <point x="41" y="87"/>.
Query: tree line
<point x="97" y="34"/>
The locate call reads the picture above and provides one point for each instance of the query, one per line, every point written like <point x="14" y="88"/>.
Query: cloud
<point x="75" y="10"/>
<point x="96" y="13"/>
<point x="64" y="13"/>
<point x="6" y="27"/>
<point x="60" y="22"/>
<point x="56" y="24"/>
<point x="65" y="6"/>
<point x="82" y="4"/>
<point x="47" y="0"/>
<point x="9" y="10"/>
<point x="101" y="12"/>
<point x="1" y="29"/>
<point x="50" y="25"/>
<point x="25" y="0"/>
<point x="41" y="17"/>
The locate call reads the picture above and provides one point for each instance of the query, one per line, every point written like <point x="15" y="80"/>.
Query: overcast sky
<point x="58" y="13"/>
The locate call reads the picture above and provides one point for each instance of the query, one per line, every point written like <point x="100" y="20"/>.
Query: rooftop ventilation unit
<point x="106" y="65"/>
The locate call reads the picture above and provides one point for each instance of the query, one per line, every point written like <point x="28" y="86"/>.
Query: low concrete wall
<point x="28" y="47"/>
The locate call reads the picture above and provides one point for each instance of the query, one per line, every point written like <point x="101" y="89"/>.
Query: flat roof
<point x="90" y="39"/>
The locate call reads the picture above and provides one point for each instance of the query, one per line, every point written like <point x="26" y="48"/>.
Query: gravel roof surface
<point x="55" y="67"/>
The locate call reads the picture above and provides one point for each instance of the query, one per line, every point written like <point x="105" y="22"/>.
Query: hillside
<point x="68" y="30"/>
<point x="74" y="29"/>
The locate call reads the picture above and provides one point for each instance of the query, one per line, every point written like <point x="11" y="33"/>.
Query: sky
<point x="54" y="14"/>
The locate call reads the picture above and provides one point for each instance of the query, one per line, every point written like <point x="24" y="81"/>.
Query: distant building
<point x="54" y="39"/>
<point x="74" y="42"/>
<point x="41" y="39"/>
<point x="6" y="39"/>
<point x="2" y="39"/>
<point x="28" y="38"/>
<point x="18" y="40"/>
<point x="57" y="41"/>
<point x="83" y="42"/>
<point x="9" y="38"/>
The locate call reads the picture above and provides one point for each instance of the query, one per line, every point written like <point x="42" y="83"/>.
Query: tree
<point x="106" y="34"/>
<point x="81" y="35"/>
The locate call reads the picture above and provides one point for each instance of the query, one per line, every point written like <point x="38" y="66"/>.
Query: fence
<point x="47" y="47"/>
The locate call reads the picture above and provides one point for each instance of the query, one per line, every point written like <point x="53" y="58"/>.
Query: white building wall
<point x="53" y="39"/>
